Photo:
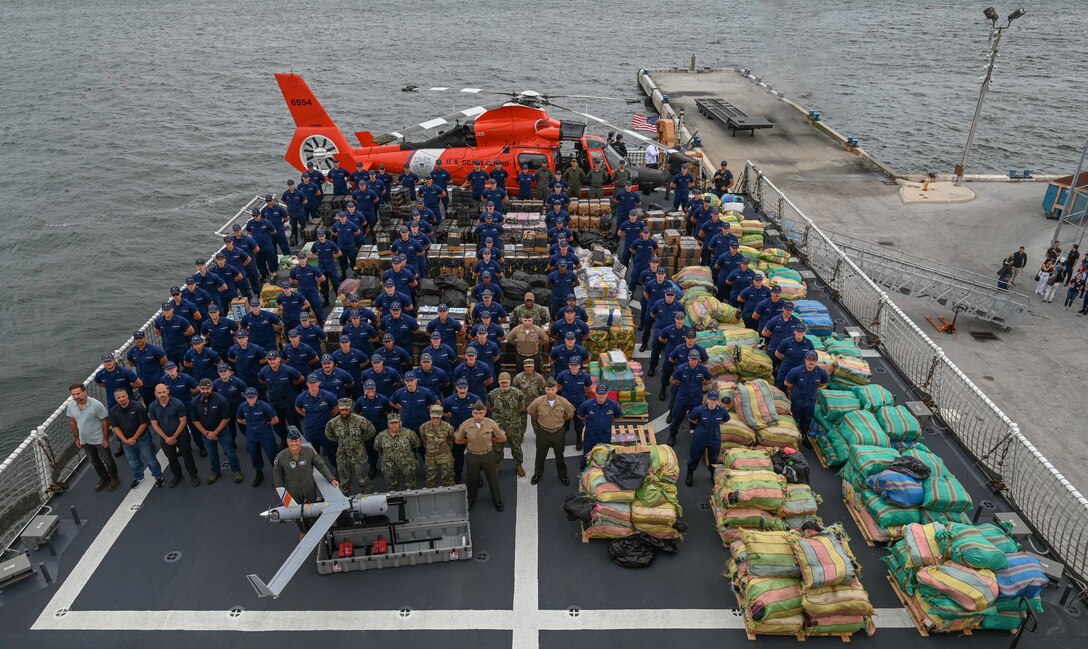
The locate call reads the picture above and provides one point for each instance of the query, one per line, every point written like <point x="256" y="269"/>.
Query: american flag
<point x="643" y="123"/>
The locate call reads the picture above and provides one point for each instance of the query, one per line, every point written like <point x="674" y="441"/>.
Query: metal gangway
<point x="954" y="288"/>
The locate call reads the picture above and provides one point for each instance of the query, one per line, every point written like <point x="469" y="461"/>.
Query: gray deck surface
<point x="221" y="539"/>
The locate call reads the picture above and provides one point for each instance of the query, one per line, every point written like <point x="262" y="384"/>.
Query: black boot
<point x="668" y="418"/>
<point x="642" y="348"/>
<point x="672" y="439"/>
<point x="806" y="441"/>
<point x="689" y="479"/>
<point x="661" y="397"/>
<point x="653" y="370"/>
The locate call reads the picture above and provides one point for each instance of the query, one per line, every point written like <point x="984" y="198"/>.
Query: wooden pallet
<point x="632" y="419"/>
<point x="862" y="528"/>
<point x="911" y="608"/>
<point x="643" y="435"/>
<point x="820" y="455"/>
<point x="800" y="636"/>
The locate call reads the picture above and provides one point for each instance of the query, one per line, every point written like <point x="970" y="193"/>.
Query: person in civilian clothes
<point x="89" y="422"/>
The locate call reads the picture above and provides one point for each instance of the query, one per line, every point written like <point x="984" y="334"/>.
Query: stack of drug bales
<point x="604" y="295"/>
<point x="624" y="380"/>
<point x="632" y="492"/>
<point x="958" y="577"/>
<point x="761" y="489"/>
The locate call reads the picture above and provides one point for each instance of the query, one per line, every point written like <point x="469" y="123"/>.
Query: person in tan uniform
<point x="528" y="340"/>
<point x="480" y="435"/>
<point x="550" y="414"/>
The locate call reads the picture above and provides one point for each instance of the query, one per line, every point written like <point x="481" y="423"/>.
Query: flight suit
<point x="507" y="410"/>
<point x="438" y="444"/>
<point x="295" y="475"/>
<point x="350" y="435"/>
<point x="596" y="179"/>
<point x="544" y="178"/>
<point x="398" y="458"/>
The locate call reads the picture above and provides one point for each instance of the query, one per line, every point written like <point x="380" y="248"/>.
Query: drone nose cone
<point x="266" y="514"/>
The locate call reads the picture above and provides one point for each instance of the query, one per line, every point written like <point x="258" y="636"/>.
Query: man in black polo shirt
<point x="129" y="422"/>
<point x="210" y="413"/>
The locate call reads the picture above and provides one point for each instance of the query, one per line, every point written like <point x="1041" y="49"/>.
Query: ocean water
<point x="132" y="130"/>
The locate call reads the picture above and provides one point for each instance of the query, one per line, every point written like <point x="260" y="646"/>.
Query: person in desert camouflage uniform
<point x="438" y="446"/>
<point x="350" y="432"/>
<point x="398" y="448"/>
<point x="507" y="408"/>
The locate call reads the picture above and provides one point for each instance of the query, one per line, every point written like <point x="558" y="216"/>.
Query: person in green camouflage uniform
<point x="596" y="178"/>
<point x="438" y="445"/>
<point x="507" y="407"/>
<point x="530" y="382"/>
<point x="351" y="432"/>
<point x="398" y="448"/>
<point x="544" y="178"/>
<point x="573" y="175"/>
<point x="539" y="314"/>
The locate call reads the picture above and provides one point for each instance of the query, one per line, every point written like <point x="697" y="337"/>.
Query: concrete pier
<point x="1033" y="372"/>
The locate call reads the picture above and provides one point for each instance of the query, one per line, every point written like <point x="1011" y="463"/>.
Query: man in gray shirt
<point x="87" y="418"/>
<point x="170" y="422"/>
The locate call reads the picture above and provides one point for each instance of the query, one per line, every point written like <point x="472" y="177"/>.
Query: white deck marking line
<point x="526" y="557"/>
<point x="525" y="626"/>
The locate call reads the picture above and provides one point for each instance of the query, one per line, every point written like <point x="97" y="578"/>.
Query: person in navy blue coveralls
<point x="738" y="280"/>
<point x="296" y="209"/>
<point x="561" y="283"/>
<point x="688" y="382"/>
<point x="641" y="250"/>
<point x="525" y="184"/>
<point x="258" y="417"/>
<point x="477" y="180"/>
<point x="374" y="407"/>
<point x="706" y="440"/>
<point x="679" y="355"/>
<point x="790" y="353"/>
<point x="681" y="185"/>
<point x="458" y="409"/>
<point x="277" y="216"/>
<point x="778" y="328"/>
<point x="445" y="326"/>
<point x="750" y="297"/>
<point x="281" y="384"/>
<point x="661" y="315"/>
<point x="317" y="406"/>
<point x="596" y="416"/>
<point x="174" y="331"/>
<point x="625" y="201"/>
<point x="803" y="383"/>
<point x="408" y="180"/>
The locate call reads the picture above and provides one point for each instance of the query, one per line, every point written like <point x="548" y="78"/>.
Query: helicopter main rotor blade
<point x="463" y="116"/>
<point x="625" y="131"/>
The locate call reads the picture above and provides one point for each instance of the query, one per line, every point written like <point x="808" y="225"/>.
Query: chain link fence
<point x="40" y="466"/>
<point x="1050" y="504"/>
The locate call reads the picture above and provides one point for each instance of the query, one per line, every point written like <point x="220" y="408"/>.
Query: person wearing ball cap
<point x="661" y="316"/>
<point x="374" y="407"/>
<point x="404" y="279"/>
<point x="706" y="441"/>
<point x="790" y="353"/>
<point x="350" y="432"/>
<point x="768" y="308"/>
<point x="596" y="416"/>
<point x="431" y="377"/>
<point x="779" y="328"/>
<point x="412" y="401"/>
<point x="679" y="355"/>
<point x="562" y="354"/>
<point x="458" y="407"/>
<point x="802" y="384"/>
<point x="388" y="295"/>
<point x="480" y="375"/>
<point x="317" y="406"/>
<point x="674" y="338"/>
<point x="386" y="377"/>
<point x="573" y="385"/>
<point x="561" y="282"/>
<point x="258" y="419"/>
<point x="724" y="265"/>
<point x="738" y="280"/>
<point x="750" y="297"/>
<point x="443" y="355"/>
<point x="396" y="357"/>
<point x="640" y="251"/>
<point x="687" y="381"/>
<point x="400" y="325"/>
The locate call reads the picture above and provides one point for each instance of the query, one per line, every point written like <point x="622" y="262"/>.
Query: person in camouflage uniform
<point x="438" y="442"/>
<point x="530" y="382"/>
<point x="350" y="432"/>
<point x="398" y="448"/>
<point x="539" y="314"/>
<point x="597" y="177"/>
<point x="507" y="408"/>
<point x="544" y="178"/>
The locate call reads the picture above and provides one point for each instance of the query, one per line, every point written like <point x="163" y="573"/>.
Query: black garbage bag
<point x="513" y="289"/>
<point x="428" y="287"/>
<point x="632" y="551"/>
<point x="535" y="281"/>
<point x="454" y="298"/>
<point x="606" y="220"/>
<point x="369" y="287"/>
<point x="451" y="281"/>
<point x="429" y="300"/>
<point x="627" y="470"/>
<point x="543" y="296"/>
<point x="579" y="508"/>
<point x="588" y="239"/>
<point x="791" y="466"/>
<point x="913" y="467"/>
<point x="520" y="276"/>
<point x="667" y="546"/>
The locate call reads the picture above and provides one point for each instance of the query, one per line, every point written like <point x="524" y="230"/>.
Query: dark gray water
<point x="131" y="130"/>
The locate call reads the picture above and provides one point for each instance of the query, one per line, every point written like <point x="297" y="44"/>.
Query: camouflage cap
<point x="435" y="410"/>
<point x="393" y="417"/>
<point x="504" y="376"/>
<point x="345" y="403"/>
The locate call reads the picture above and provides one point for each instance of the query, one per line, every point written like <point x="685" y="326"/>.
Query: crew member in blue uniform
<point x="395" y="357"/>
<point x="441" y="179"/>
<point x="557" y="196"/>
<point x="720" y="242"/>
<point x="670" y="337"/>
<point x="487" y="303"/>
<point x="210" y="282"/>
<point x="388" y="295"/>
<point x="485" y="348"/>
<point x="232" y="277"/>
<point x="113" y="377"/>
<point x="147" y="361"/>
<point x="409" y="248"/>
<point x="247" y="358"/>
<point x="750" y="297"/>
<point x="486" y="284"/>
<point x="298" y="354"/>
<point x="296" y="210"/>
<point x="596" y="417"/>
<point x="499" y="173"/>
<point x="327" y="254"/>
<point x="561" y="283"/>
<point x="446" y="327"/>
<point x="706" y="439"/>
<point x="341" y="181"/>
<point x="317" y="406"/>
<point x="687" y="380"/>
<point x="309" y="333"/>
<point x="779" y="327"/>
<point x="366" y="203"/>
<point x="802" y="384"/>
<point x="258" y="417"/>
<point x="424" y="242"/>
<point x="359" y="176"/>
<point x="560" y="230"/>
<point x="243" y="261"/>
<point x="489" y="229"/>
<point x="433" y="195"/>
<point x="200" y="361"/>
<point x="495" y="333"/>
<point x="653" y="289"/>
<point x="233" y="388"/>
<point x="790" y="352"/>
<point x="333" y="379"/>
<point x="487" y="262"/>
<point x="311" y="189"/>
<point x="425" y="213"/>
<point x="661" y="316"/>
<point x="698" y="210"/>
<point x="562" y="354"/>
<point x="387" y="179"/>
<point x="444" y="357"/>
<point x="495" y="195"/>
<point x="404" y="278"/>
<point x="262" y="326"/>
<point x="174" y="332"/>
<point x="374" y="407"/>
<point x="377" y="187"/>
<point x="185" y="308"/>
<point x="628" y="231"/>
<point x="557" y="212"/>
<point x="679" y="355"/>
<point x="351" y="361"/>
<point x="218" y="330"/>
<point x="738" y="280"/>
<point x="625" y="201"/>
<point x="768" y="308"/>
<point x="708" y="230"/>
<point x="291" y="304"/>
<point x="458" y="409"/>
<point x="479" y="374"/>
<point x="347" y="235"/>
<point x="641" y="250"/>
<point x="277" y="216"/>
<point x="564" y="253"/>
<point x="264" y="235"/>
<point x="681" y="185"/>
<point x="355" y="303"/>
<point x="525" y="184"/>
<point x="402" y="327"/>
<point x="569" y="324"/>
<point x="306" y="279"/>
<point x="725" y="264"/>
<point x="408" y="180"/>
<point x="281" y="384"/>
<point x="413" y="402"/>
<point x="387" y="379"/>
<point x="432" y="377"/>
<point x="573" y="383"/>
<point x="495" y="248"/>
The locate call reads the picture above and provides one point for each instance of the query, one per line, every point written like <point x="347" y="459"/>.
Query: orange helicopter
<point x="509" y="134"/>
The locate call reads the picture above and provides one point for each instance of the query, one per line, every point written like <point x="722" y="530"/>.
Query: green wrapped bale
<point x="861" y="427"/>
<point x="899" y="423"/>
<point x="944" y="493"/>
<point x="873" y="397"/>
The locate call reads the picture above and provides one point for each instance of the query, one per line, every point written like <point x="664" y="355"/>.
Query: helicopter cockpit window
<point x="613" y="157"/>
<point x="534" y="160"/>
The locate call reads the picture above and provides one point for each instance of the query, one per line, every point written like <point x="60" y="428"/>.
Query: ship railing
<point x="42" y="464"/>
<point x="1055" y="510"/>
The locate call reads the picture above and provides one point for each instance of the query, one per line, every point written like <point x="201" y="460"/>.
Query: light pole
<point x="995" y="42"/>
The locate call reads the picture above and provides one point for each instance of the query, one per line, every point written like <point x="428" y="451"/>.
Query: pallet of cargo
<point x="800" y="636"/>
<point x="911" y="607"/>
<point x="864" y="529"/>
<point x="820" y="455"/>
<point x="632" y="419"/>
<point x="642" y="437"/>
